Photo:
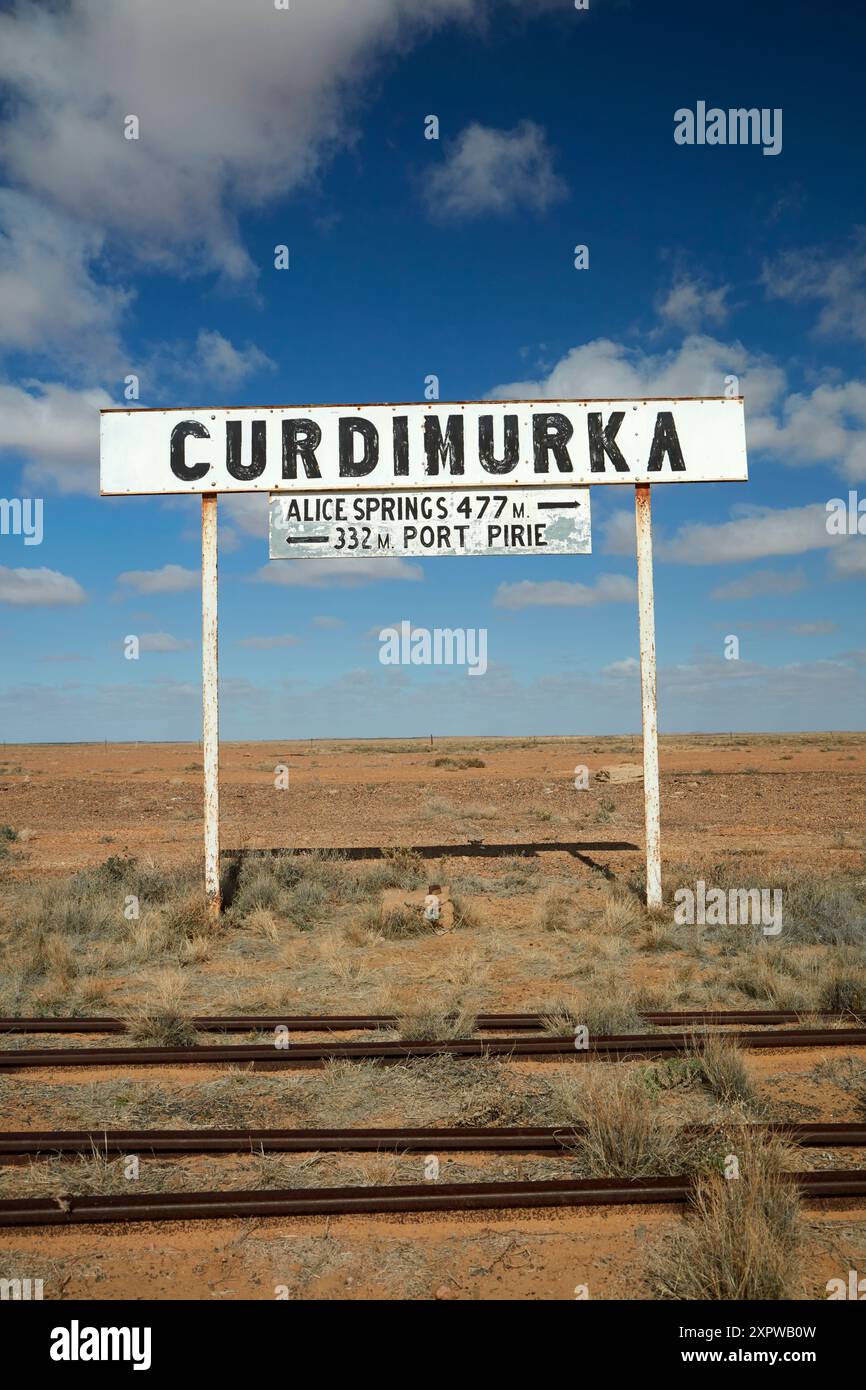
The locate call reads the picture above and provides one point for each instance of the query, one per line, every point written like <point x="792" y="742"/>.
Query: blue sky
<point x="410" y="257"/>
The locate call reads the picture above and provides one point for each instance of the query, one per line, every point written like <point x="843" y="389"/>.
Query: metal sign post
<point x="646" y="618"/>
<point x="210" y="699"/>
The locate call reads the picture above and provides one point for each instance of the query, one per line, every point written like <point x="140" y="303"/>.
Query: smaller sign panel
<point x="516" y="521"/>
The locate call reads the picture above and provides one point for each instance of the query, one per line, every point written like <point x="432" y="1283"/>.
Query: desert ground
<point x="102" y="912"/>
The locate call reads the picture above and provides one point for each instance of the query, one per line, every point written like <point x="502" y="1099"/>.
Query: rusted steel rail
<point x="481" y="1196"/>
<point x="346" y="1023"/>
<point x="552" y="1139"/>
<point x="316" y="1054"/>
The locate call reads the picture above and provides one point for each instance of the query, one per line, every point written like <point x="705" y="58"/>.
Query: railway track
<point x="317" y="1054"/>
<point x="532" y="1140"/>
<point x="347" y="1023"/>
<point x="428" y="1197"/>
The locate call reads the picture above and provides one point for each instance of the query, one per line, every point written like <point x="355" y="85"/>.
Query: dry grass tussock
<point x="843" y="987"/>
<point x="161" y="1019"/>
<point x="344" y="964"/>
<point x="394" y="923"/>
<point x="626" y="915"/>
<point x="804" y="979"/>
<point x="743" y="1236"/>
<point x="604" y="1005"/>
<point x="775" y="977"/>
<point x="818" y="908"/>
<point x="619" y="1128"/>
<point x="452" y="1015"/>
<point x="403" y="923"/>
<point x="466" y="917"/>
<point x="555" y="910"/>
<point x="429" y="1091"/>
<point x="722" y="1068"/>
<point x="301" y="888"/>
<point x="623" y="913"/>
<point x="57" y="937"/>
<point x="464" y="966"/>
<point x="60" y="940"/>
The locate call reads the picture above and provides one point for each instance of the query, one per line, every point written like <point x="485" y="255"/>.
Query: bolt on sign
<point x="517" y="521"/>
<point x="467" y="444"/>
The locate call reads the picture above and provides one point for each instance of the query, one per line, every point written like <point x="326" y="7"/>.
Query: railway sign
<point x="515" y="521"/>
<point x="323" y="448"/>
<point x="469" y="478"/>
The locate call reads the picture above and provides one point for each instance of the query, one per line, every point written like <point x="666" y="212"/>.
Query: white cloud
<point x="837" y="283"/>
<point x="265" y="644"/>
<point x="627" y="668"/>
<point x="335" y="574"/>
<point x="754" y="533"/>
<point x="212" y="357"/>
<point x="50" y="297"/>
<point x="171" y="579"/>
<point x="620" y="537"/>
<point x="162" y="642"/>
<point x="762" y="584"/>
<point x="38" y="588"/>
<point x="691" y="301"/>
<point x="822" y="627"/>
<point x="699" y="367"/>
<point x="229" y="540"/>
<point x="558" y="593"/>
<point x="328" y="624"/>
<point x="56" y="430"/>
<point x="224" y="363"/>
<point x="849" y="560"/>
<point x="824" y="426"/>
<point x="494" y="171"/>
<point x="248" y="511"/>
<point x="237" y="104"/>
<point x="372" y="633"/>
<point x="699" y="696"/>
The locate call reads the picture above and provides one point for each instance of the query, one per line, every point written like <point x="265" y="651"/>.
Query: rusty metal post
<point x="646" y="611"/>
<point x="210" y="699"/>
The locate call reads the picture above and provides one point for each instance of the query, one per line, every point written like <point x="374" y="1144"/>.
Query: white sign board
<point x="515" y="521"/>
<point x="464" y="445"/>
